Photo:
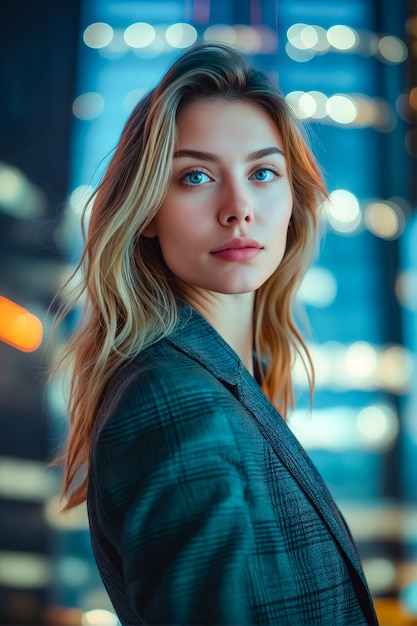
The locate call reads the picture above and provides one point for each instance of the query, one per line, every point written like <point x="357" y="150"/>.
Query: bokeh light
<point x="406" y="289"/>
<point x="298" y="54"/>
<point x="293" y="99"/>
<point x="22" y="479"/>
<point x="361" y="363"/>
<point x="24" y="570"/>
<point x="342" y="37"/>
<point x="366" y="111"/>
<point x="380" y="573"/>
<point x="181" y="35"/>
<point x="322" y="43"/>
<point x="395" y="369"/>
<point x="139" y="35"/>
<point x="384" y="219"/>
<point x="319" y="287"/>
<point x="79" y="198"/>
<point x="248" y="38"/>
<point x="18" y="327"/>
<point x="341" y="108"/>
<point x="309" y="36"/>
<point x="343" y="211"/>
<point x="307" y="105"/>
<point x="18" y="196"/>
<point x="377" y="426"/>
<point x="220" y="32"/>
<point x="320" y="100"/>
<point x="374" y="427"/>
<point x="392" y="49"/>
<point x="98" y="35"/>
<point x="88" y="106"/>
<point x="99" y="617"/>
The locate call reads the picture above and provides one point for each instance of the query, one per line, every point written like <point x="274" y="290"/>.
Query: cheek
<point x="184" y="220"/>
<point x="175" y="229"/>
<point x="279" y="231"/>
<point x="289" y="204"/>
<point x="282" y="220"/>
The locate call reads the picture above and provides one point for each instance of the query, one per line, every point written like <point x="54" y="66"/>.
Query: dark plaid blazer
<point x="203" y="506"/>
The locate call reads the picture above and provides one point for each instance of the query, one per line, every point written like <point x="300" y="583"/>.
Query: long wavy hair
<point x="128" y="295"/>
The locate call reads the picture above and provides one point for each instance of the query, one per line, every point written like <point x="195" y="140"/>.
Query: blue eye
<point x="263" y="175"/>
<point x="196" y="178"/>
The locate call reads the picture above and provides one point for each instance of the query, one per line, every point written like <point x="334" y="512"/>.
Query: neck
<point x="231" y="316"/>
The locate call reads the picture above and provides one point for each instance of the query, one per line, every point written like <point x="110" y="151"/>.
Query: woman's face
<point x="223" y="224"/>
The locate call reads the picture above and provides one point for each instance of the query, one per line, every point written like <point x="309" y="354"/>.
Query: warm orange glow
<point x="18" y="327"/>
<point x="413" y="98"/>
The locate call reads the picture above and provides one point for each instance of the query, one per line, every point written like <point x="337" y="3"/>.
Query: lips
<point x="238" y="244"/>
<point x="238" y="250"/>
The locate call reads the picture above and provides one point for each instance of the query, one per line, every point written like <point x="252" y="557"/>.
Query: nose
<point x="236" y="206"/>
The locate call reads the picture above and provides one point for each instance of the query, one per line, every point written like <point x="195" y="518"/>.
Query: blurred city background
<point x="71" y="72"/>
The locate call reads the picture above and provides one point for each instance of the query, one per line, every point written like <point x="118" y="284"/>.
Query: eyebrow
<point x="208" y="156"/>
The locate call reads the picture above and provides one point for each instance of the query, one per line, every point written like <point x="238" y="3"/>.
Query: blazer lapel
<point x="296" y="460"/>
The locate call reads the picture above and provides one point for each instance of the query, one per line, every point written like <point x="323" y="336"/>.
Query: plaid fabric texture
<point x="204" y="508"/>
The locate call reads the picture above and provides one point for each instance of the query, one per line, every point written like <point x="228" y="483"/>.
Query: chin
<point x="238" y="288"/>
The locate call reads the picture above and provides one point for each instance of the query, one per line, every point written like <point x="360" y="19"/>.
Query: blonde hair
<point x="129" y="293"/>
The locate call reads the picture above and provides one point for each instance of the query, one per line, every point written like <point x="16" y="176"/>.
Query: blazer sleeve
<point x="170" y="497"/>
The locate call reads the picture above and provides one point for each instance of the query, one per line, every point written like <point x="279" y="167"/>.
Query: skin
<point x="239" y="188"/>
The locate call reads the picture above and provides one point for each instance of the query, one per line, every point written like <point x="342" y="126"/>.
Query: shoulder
<point x="165" y="418"/>
<point x="163" y="389"/>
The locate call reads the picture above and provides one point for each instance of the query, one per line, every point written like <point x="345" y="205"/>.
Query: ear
<point x="150" y="231"/>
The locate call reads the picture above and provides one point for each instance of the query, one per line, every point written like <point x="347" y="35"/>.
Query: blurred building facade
<point x="38" y="50"/>
<point x="348" y="68"/>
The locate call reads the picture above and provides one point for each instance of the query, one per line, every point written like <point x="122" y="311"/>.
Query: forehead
<point x="220" y="120"/>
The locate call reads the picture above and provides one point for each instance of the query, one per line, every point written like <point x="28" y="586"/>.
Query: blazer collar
<point x="197" y="338"/>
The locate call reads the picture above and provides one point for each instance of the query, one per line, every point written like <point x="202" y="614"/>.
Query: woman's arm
<point x="171" y="499"/>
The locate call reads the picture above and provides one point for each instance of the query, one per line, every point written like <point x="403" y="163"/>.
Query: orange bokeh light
<point x="18" y="327"/>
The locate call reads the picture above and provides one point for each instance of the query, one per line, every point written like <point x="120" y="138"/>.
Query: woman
<point x="203" y="507"/>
